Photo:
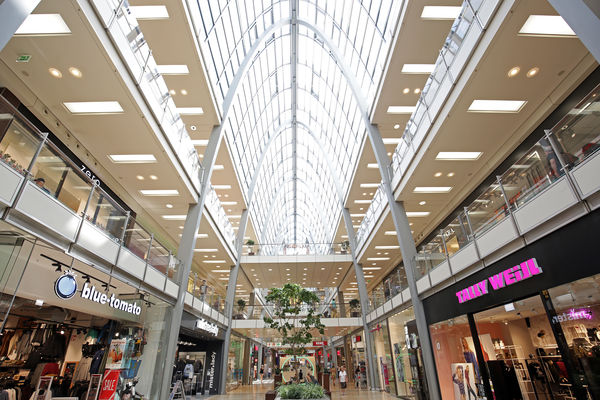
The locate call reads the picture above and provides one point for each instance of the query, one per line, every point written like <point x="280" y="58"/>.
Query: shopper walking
<point x="343" y="379"/>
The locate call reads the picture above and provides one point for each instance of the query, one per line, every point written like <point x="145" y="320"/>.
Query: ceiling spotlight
<point x="406" y="90"/>
<point x="55" y="73"/>
<point x="514" y="71"/>
<point x="169" y="205"/>
<point x="437" y="174"/>
<point x="184" y="92"/>
<point x="397" y="126"/>
<point x="87" y="278"/>
<point x="140" y="177"/>
<point x="75" y="72"/>
<point x="153" y="177"/>
<point x="417" y="91"/>
<point x="172" y="92"/>
<point x="450" y="174"/>
<point x="533" y="72"/>
<point x="422" y="203"/>
<point x="58" y="267"/>
<point x="193" y="127"/>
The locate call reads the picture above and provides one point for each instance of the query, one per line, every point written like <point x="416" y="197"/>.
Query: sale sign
<point x="319" y="343"/>
<point x="109" y="384"/>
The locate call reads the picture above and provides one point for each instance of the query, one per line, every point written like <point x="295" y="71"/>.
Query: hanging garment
<point x="96" y="361"/>
<point x="188" y="371"/>
<point x="82" y="370"/>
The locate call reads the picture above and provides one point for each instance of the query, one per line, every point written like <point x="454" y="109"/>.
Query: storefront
<point x="199" y="352"/>
<point x="70" y="329"/>
<point x="526" y="326"/>
<point x="235" y="362"/>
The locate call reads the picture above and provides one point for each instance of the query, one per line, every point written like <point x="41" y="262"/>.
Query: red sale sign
<point x="320" y="343"/>
<point x="109" y="384"/>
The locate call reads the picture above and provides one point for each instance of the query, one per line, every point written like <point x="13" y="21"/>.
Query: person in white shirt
<point x="343" y="379"/>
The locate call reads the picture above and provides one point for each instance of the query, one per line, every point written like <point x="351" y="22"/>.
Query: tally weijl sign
<point x="90" y="293"/>
<point x="508" y="277"/>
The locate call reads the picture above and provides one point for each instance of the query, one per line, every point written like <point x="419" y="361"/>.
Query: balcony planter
<point x="345" y="247"/>
<point x="354" y="304"/>
<point x="250" y="244"/>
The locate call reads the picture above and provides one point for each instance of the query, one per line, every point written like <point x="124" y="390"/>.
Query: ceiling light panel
<point x="441" y="12"/>
<point x="387" y="247"/>
<point x="132" y="158"/>
<point x="160" y="192"/>
<point x="458" y="155"/>
<point x="190" y="110"/>
<point x="432" y="189"/>
<point x="43" y="25"/>
<point x="417" y="213"/>
<point x="369" y="185"/>
<point x="401" y="109"/>
<point x="93" y="107"/>
<point x="497" y="106"/>
<point x="149" y="12"/>
<point x="418" y="68"/>
<point x="200" y="142"/>
<point x="546" y="25"/>
<point x="173" y="69"/>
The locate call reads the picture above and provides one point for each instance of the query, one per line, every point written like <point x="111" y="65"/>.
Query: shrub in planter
<point x="301" y="391"/>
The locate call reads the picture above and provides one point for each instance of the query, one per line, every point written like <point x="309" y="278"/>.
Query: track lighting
<point x="58" y="267"/>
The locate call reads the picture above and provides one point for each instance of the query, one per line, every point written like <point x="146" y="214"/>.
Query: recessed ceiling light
<point x="387" y="247"/>
<point x="417" y="213"/>
<point x="533" y="72"/>
<point x="93" y="107"/>
<point x="417" y="90"/>
<point x="185" y="92"/>
<point x="422" y="203"/>
<point x="372" y="166"/>
<point x="168" y="205"/>
<point x="43" y="25"/>
<point x="497" y="106"/>
<point x="55" y="73"/>
<point x="397" y="126"/>
<point x="223" y="271"/>
<point x="221" y="187"/>
<point x="437" y="174"/>
<point x="377" y="258"/>
<point x="175" y="218"/>
<point x="39" y="302"/>
<point x="369" y="185"/>
<point x="390" y="233"/>
<point x="132" y="159"/>
<point x="193" y="127"/>
<point x="218" y="167"/>
<point x="418" y="68"/>
<point x="160" y="192"/>
<point x="401" y="109"/>
<point x="149" y="12"/>
<point x="546" y="25"/>
<point x="432" y="189"/>
<point x="213" y="261"/>
<point x="173" y="69"/>
<point x="153" y="177"/>
<point x="514" y="71"/>
<point x="458" y="155"/>
<point x="205" y="250"/>
<point x="406" y="90"/>
<point x="362" y="201"/>
<point x="140" y="177"/>
<point x="450" y="174"/>
<point x="172" y="92"/>
<point x="76" y="72"/>
<point x="441" y="12"/>
<point x="200" y="142"/>
<point x="190" y="110"/>
<point x="228" y="203"/>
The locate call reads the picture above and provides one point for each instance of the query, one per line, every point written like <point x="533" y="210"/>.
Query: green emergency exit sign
<point x="23" y="58"/>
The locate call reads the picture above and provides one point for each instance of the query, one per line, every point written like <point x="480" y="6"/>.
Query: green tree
<point x="295" y="317"/>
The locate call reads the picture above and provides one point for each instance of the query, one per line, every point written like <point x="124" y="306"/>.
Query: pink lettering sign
<point x="508" y="277"/>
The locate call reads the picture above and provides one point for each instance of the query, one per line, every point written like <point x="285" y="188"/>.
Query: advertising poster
<point x="43" y="387"/>
<point x="463" y="380"/>
<point x="115" y="354"/>
<point x="109" y="384"/>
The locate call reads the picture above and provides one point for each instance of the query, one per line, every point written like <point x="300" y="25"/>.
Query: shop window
<point x="457" y="367"/>
<point x="577" y="307"/>
<point x="17" y="144"/>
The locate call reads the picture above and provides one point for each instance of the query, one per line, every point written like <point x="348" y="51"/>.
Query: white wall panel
<point x="499" y="235"/>
<point x="155" y="278"/>
<point x="439" y="273"/>
<point x="587" y="177"/>
<point x="98" y="242"/>
<point x="131" y="263"/>
<point x="10" y="180"/>
<point x="463" y="258"/>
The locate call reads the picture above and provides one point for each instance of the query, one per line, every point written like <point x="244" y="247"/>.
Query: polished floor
<point x="257" y="391"/>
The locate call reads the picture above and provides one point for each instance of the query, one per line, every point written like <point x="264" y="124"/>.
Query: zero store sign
<point x="207" y="326"/>
<point x="508" y="277"/>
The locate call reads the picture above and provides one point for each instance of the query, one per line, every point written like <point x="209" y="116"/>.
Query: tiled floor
<point x="257" y="392"/>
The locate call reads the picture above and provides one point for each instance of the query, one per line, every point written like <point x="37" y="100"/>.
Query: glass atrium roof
<point x="292" y="123"/>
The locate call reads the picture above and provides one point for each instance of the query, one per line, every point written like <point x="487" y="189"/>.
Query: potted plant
<point x="354" y="305"/>
<point x="250" y="244"/>
<point x="241" y="306"/>
<point x="345" y="246"/>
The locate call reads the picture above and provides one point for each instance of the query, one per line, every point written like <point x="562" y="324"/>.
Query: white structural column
<point x="364" y="302"/>
<point x="584" y="21"/>
<point x="185" y="253"/>
<point x="12" y="15"/>
<point x="409" y="252"/>
<point x="230" y="297"/>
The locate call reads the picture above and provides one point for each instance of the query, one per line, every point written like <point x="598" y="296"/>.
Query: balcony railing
<point x="296" y="249"/>
<point x="555" y="157"/>
<point x="451" y="60"/>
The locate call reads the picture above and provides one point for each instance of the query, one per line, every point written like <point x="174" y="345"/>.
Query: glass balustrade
<point x="18" y="141"/>
<point x="457" y="234"/>
<point x="104" y="213"/>
<point x="137" y="239"/>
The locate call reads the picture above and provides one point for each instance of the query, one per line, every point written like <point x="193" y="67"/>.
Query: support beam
<point x="364" y="302"/>
<point x="584" y="21"/>
<point x="12" y="15"/>
<point x="185" y="253"/>
<point x="409" y="253"/>
<point x="233" y="275"/>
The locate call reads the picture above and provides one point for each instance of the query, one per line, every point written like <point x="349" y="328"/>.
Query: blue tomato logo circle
<point x="65" y="287"/>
